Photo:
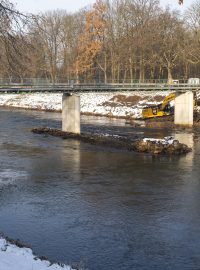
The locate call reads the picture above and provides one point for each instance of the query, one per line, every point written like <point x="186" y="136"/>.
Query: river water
<point x="97" y="207"/>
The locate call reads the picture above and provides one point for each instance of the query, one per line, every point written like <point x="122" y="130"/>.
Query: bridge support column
<point x="71" y="113"/>
<point x="184" y="106"/>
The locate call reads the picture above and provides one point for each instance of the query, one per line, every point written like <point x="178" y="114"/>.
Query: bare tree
<point x="48" y="32"/>
<point x="192" y="51"/>
<point x="13" y="29"/>
<point x="115" y="40"/>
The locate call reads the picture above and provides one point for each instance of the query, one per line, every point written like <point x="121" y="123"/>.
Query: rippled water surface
<point x="98" y="207"/>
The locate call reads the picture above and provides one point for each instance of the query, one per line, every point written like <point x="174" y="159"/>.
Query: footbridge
<point x="75" y="88"/>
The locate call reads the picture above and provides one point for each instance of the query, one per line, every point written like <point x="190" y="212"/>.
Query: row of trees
<point x="112" y="41"/>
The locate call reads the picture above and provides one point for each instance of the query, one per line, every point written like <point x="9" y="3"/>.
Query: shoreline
<point x="127" y="105"/>
<point x="60" y="111"/>
<point x="15" y="255"/>
<point x="151" y="123"/>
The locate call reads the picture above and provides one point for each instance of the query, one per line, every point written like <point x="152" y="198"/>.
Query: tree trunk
<point x="118" y="73"/>
<point x="160" y="73"/>
<point x="169" y="71"/>
<point x="105" y="69"/>
<point x="141" y="71"/>
<point x="131" y="69"/>
<point x="152" y="73"/>
<point x="113" y="72"/>
<point x="112" y="68"/>
<point x="125" y="72"/>
<point x="186" y="71"/>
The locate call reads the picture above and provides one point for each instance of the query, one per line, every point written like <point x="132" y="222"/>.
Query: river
<point x="98" y="207"/>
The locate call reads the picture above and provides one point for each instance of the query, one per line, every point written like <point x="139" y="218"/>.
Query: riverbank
<point x="127" y="105"/>
<point x="124" y="105"/>
<point x="15" y="256"/>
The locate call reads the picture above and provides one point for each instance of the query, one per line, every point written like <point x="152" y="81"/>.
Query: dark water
<point x="102" y="208"/>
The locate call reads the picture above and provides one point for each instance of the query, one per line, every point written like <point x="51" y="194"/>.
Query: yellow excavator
<point x="162" y="109"/>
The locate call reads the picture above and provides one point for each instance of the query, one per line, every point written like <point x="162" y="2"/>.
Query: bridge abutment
<point x="184" y="106"/>
<point x="71" y="113"/>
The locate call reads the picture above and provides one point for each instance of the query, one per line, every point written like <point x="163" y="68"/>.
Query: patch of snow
<point x="32" y="101"/>
<point x="111" y="135"/>
<point x="166" y="140"/>
<point x="15" y="258"/>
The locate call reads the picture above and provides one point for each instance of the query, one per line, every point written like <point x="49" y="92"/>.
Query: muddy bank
<point x="165" y="122"/>
<point x="168" y="122"/>
<point x="151" y="146"/>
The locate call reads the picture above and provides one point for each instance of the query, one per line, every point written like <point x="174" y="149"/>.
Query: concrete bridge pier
<point x="184" y="107"/>
<point x="71" y="113"/>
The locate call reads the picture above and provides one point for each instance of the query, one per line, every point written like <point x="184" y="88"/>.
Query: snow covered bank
<point x="49" y="102"/>
<point x="13" y="257"/>
<point x="112" y="104"/>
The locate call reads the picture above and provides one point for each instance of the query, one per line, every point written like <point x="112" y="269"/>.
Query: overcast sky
<point x="35" y="6"/>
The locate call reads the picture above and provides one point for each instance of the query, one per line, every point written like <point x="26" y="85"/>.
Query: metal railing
<point x="69" y="87"/>
<point x="42" y="81"/>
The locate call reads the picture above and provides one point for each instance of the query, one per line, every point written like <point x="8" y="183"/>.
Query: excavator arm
<point x="164" y="108"/>
<point x="167" y="100"/>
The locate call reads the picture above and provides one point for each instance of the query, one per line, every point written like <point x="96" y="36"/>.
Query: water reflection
<point x="70" y="155"/>
<point x="188" y="139"/>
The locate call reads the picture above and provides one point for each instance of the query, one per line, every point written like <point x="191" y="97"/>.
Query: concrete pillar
<point x="184" y="106"/>
<point x="71" y="113"/>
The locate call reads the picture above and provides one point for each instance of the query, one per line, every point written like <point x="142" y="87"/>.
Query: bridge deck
<point x="60" y="88"/>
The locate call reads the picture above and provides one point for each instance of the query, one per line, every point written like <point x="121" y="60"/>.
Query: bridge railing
<point x="61" y="80"/>
<point x="63" y="87"/>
